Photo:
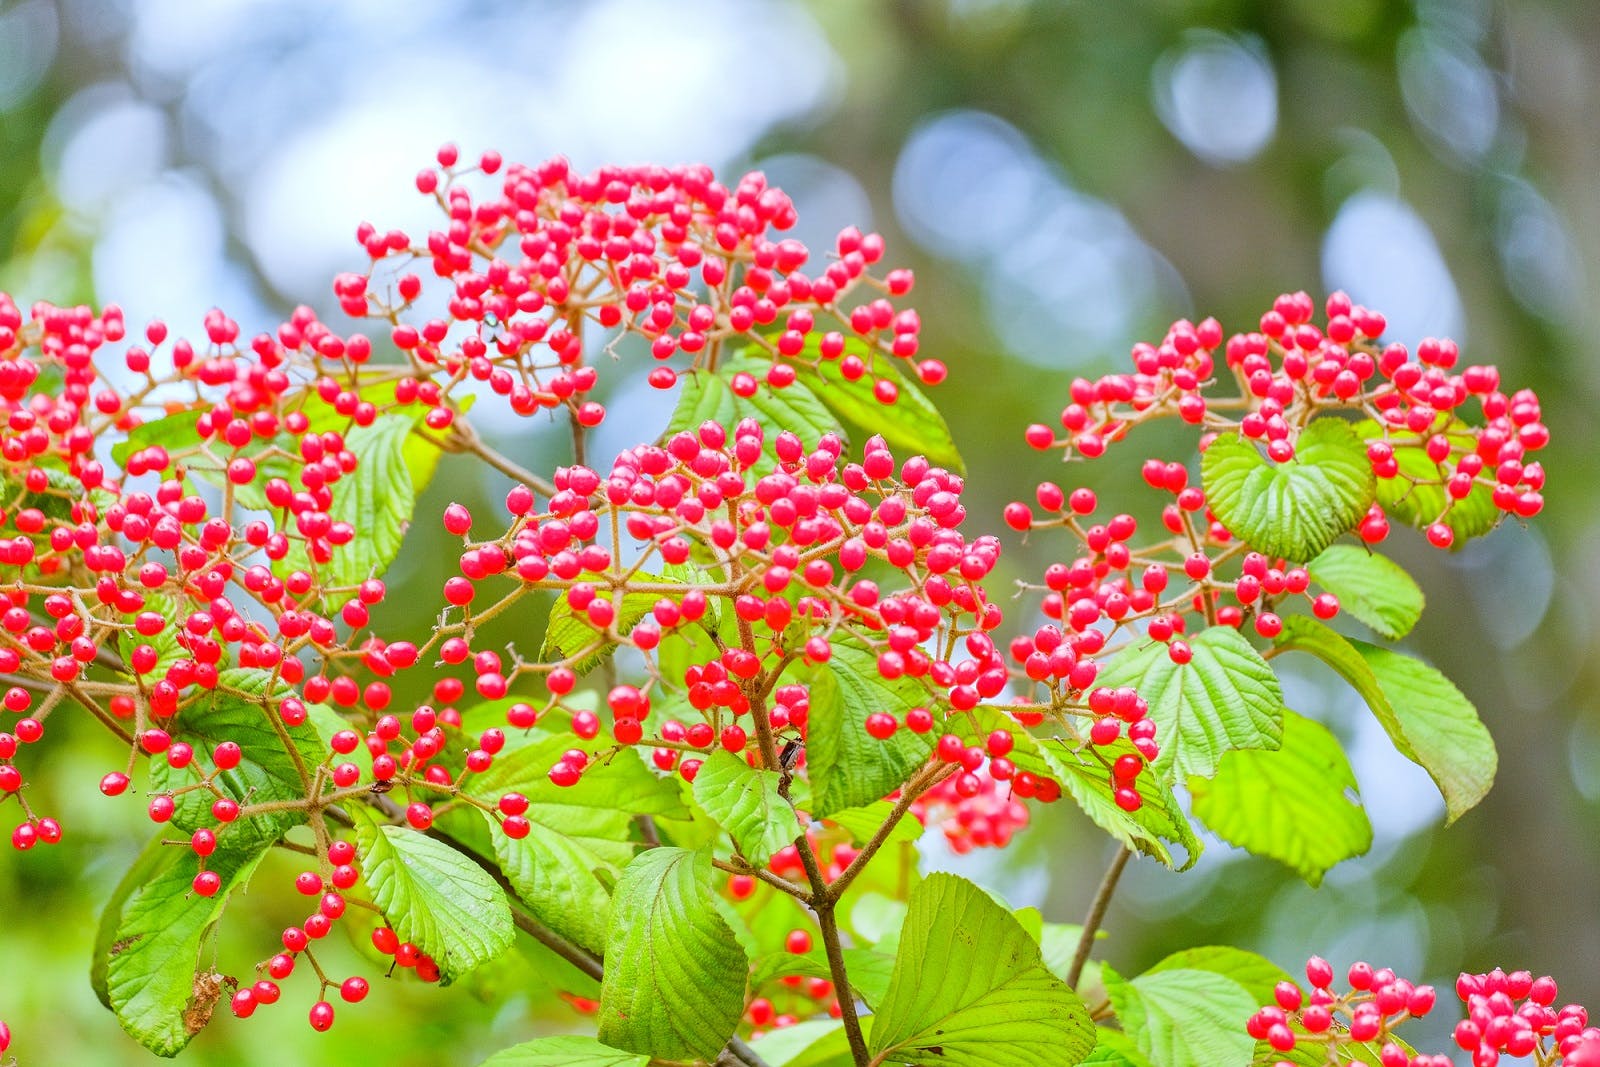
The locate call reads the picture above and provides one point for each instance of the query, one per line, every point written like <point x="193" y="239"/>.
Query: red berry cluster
<point x="797" y="996"/>
<point x="665" y="253"/>
<point x="1507" y="1014"/>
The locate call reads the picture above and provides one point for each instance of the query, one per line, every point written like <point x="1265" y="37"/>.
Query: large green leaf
<point x="1371" y="588"/>
<point x="1293" y="509"/>
<point x="1417" y="494"/>
<point x="707" y="396"/>
<point x="568" y="1051"/>
<point x="1184" y="1017"/>
<point x="862" y="823"/>
<point x="870" y="970"/>
<point x="154" y="977"/>
<point x="1430" y="722"/>
<point x="815" y="1043"/>
<point x="675" y="974"/>
<point x="581" y="835"/>
<point x="847" y="766"/>
<point x="745" y="802"/>
<point x="1258" y="975"/>
<point x="1224" y="698"/>
<point x="1296" y="804"/>
<point x="912" y="424"/>
<point x="970" y="989"/>
<point x="433" y="896"/>
<point x="243" y="711"/>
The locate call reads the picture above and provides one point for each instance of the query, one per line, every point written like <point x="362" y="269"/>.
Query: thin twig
<point x="1097" y="913"/>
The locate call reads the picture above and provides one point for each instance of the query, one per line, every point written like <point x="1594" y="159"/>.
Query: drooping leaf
<point x="911" y="425"/>
<point x="433" y="896"/>
<point x="970" y="989"/>
<point x="1293" y="509"/>
<point x="744" y="801"/>
<point x="579" y="834"/>
<point x="158" y="987"/>
<point x="1296" y="804"/>
<point x="675" y="974"/>
<point x="1372" y="588"/>
<point x="1430" y="722"/>
<point x="848" y="767"/>
<point x="571" y="1050"/>
<point x="1224" y="698"/>
<point x="242" y="710"/>
<point x="1183" y="1017"/>
<point x="153" y="860"/>
<point x="708" y="395"/>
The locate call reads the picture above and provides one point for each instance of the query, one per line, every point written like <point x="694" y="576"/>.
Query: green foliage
<point x="580" y="836"/>
<point x="708" y="395"/>
<point x="675" y="974"/>
<point x="155" y="982"/>
<point x="1371" y="588"/>
<point x="1223" y="699"/>
<point x="745" y="802"/>
<point x="1417" y="494"/>
<point x="1425" y="715"/>
<point x="1295" y="804"/>
<point x="971" y="990"/>
<point x="433" y="896"/>
<point x="911" y="425"/>
<point x="1294" y="509"/>
<point x="847" y="767"/>
<point x="568" y="1051"/>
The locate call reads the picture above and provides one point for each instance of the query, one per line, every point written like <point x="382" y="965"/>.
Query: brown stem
<point x="1097" y="913"/>
<point x="919" y="785"/>
<point x="823" y="905"/>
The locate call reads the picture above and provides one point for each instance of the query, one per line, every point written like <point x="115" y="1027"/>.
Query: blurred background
<point x="1066" y="178"/>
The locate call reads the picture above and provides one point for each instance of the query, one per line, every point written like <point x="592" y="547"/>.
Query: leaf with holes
<point x="675" y="974"/>
<point x="1371" y="588"/>
<point x="1430" y="722"/>
<point x="1224" y="698"/>
<point x="970" y="988"/>
<point x="1293" y="509"/>
<point x="1295" y="804"/>
<point x="433" y="896"/>
<point x="154" y="980"/>
<point x="744" y="801"/>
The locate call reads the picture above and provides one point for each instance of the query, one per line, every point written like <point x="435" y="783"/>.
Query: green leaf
<point x="1430" y="722"/>
<point x="1293" y="509"/>
<point x="1296" y="804"/>
<point x="1184" y="1017"/>
<point x="912" y="424"/>
<point x="153" y="860"/>
<point x="1158" y="822"/>
<point x="675" y="974"/>
<point x="1058" y="943"/>
<point x="377" y="498"/>
<point x="1259" y="975"/>
<point x="1224" y="698"/>
<point x="870" y="970"/>
<point x="707" y="395"/>
<point x="569" y="632"/>
<point x="1371" y="588"/>
<point x="568" y="1051"/>
<point x="267" y="772"/>
<point x="815" y="1043"/>
<point x="433" y="896"/>
<point x="580" y="836"/>
<point x="744" y="801"/>
<point x="847" y="766"/>
<point x="970" y="989"/>
<point x="1113" y="1048"/>
<point x="1417" y="494"/>
<point x="862" y="823"/>
<point x="155" y="982"/>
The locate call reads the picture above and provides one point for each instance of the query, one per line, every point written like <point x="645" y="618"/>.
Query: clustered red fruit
<point x="1507" y="1014"/>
